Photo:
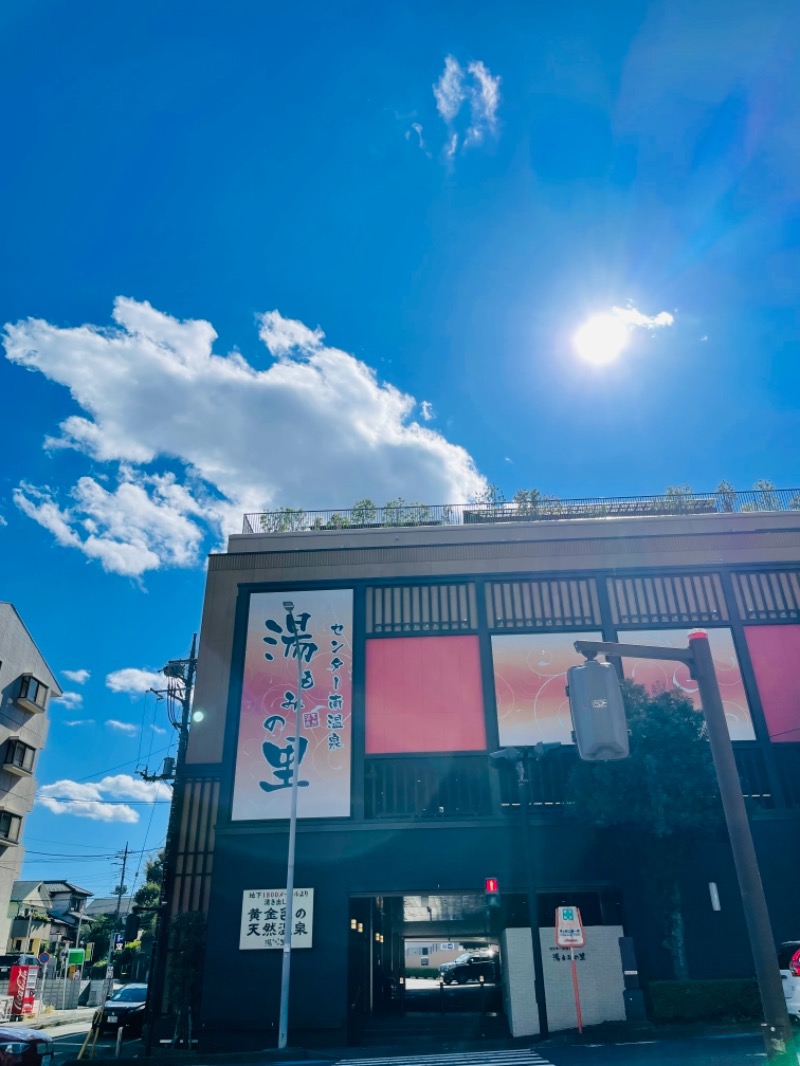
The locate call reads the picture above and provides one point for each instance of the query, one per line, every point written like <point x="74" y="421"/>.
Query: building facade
<point x="426" y="642"/>
<point x="26" y="686"/>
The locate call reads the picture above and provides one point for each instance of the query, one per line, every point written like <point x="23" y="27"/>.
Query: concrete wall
<point x="519" y="992"/>
<point x="600" y="980"/>
<point x="18" y="655"/>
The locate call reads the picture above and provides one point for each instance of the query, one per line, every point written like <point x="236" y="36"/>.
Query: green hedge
<point x="423" y="971"/>
<point x="729" y="1000"/>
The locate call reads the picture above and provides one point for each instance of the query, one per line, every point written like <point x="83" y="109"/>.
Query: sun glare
<point x="601" y="339"/>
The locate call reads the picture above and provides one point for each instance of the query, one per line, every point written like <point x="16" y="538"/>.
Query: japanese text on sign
<point x="296" y="712"/>
<point x="569" y="928"/>
<point x="264" y="918"/>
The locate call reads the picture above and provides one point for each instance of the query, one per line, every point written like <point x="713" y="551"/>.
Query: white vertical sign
<point x="264" y="918"/>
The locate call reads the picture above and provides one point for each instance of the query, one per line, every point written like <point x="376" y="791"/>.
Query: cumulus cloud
<point x="228" y="448"/>
<point x="78" y="677"/>
<point x="99" y="800"/>
<point x="631" y="317"/>
<point x="133" y="680"/>
<point x="426" y="410"/>
<point x="122" y="727"/>
<point x="70" y="700"/>
<point x="475" y="85"/>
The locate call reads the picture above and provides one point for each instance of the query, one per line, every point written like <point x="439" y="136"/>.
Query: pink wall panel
<point x="424" y="694"/>
<point x="775" y="653"/>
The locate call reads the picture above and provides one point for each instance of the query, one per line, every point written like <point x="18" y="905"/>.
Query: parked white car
<point x="789" y="964"/>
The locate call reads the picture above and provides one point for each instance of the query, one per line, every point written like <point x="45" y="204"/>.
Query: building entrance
<point x="425" y="960"/>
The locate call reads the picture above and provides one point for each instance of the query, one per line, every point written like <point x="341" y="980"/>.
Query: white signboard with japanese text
<point x="569" y="928"/>
<point x="264" y="918"/>
<point x="270" y="749"/>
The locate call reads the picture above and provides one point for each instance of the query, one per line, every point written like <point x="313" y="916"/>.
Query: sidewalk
<point x="51" y="1019"/>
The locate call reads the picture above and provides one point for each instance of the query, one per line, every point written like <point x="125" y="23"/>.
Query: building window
<point x="32" y="693"/>
<point x="19" y="757"/>
<point x="9" y="827"/>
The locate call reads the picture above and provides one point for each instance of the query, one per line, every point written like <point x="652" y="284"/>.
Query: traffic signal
<point x="492" y="892"/>
<point x="598" y="713"/>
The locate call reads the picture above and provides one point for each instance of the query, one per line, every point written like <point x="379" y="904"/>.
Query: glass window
<point x="9" y="826"/>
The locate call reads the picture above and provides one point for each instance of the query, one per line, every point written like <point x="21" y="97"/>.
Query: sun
<point x="601" y="339"/>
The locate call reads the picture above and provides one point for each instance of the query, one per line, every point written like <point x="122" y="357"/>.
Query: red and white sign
<point x="569" y="928"/>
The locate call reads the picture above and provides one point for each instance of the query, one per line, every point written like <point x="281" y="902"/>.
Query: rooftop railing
<point x="528" y="507"/>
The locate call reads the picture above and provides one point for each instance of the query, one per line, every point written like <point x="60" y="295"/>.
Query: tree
<point x="103" y="929"/>
<point x="154" y="869"/>
<point x="658" y="802"/>
<point x="187" y="941"/>
<point x="726" y="495"/>
<point x="363" y="512"/>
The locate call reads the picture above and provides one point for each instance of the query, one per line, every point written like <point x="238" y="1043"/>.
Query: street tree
<point x="657" y="803"/>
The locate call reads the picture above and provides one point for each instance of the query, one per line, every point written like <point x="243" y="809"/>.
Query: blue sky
<point x="258" y="255"/>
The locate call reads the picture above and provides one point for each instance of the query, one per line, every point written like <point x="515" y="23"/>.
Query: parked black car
<point x="471" y="966"/>
<point x="25" y="1047"/>
<point x="125" y="1009"/>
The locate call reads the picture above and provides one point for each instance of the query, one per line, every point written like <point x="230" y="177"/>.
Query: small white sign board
<point x="569" y="928"/>
<point x="264" y="918"/>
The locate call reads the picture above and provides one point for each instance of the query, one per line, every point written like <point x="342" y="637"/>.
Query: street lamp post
<point x="519" y="757"/>
<point x="283" y="1020"/>
<point x="778" y="1037"/>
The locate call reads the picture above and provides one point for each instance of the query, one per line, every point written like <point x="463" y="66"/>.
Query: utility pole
<point x="115" y="928"/>
<point x="777" y="1029"/>
<point x="180" y="674"/>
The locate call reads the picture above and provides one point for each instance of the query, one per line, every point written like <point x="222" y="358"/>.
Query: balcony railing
<point x="427" y="787"/>
<point x="532" y="508"/>
<point x="432" y="787"/>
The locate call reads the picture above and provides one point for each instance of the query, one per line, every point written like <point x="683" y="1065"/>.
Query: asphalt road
<point x="738" y="1049"/>
<point x="68" y="1040"/>
<point x="728" y="1050"/>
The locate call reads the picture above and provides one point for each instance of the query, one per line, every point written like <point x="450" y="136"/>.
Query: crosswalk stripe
<point x="525" y="1057"/>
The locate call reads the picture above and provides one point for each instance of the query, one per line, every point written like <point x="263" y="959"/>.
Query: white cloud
<point x="631" y="317"/>
<point x="426" y="410"/>
<point x="283" y="335"/>
<point x="158" y="729"/>
<point x="122" y="727"/>
<point x="478" y="86"/>
<point x="350" y="435"/>
<point x="80" y="721"/>
<point x="144" y="523"/>
<point x="416" y="127"/>
<point x="70" y="700"/>
<point x="133" y="680"/>
<point x="91" y="799"/>
<point x="79" y="677"/>
<point x="484" y="101"/>
<point x="449" y="90"/>
<point x="3" y="521"/>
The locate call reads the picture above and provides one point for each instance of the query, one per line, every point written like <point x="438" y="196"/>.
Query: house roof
<point x="108" y="905"/>
<point x="22" y="889"/>
<point x="66" y="886"/>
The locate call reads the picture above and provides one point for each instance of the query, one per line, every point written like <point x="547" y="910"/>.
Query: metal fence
<point x="525" y="507"/>
<point x="432" y="787"/>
